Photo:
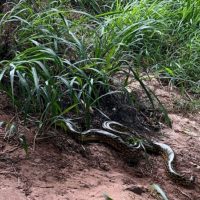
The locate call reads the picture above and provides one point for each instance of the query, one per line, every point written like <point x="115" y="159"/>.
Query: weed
<point x="63" y="59"/>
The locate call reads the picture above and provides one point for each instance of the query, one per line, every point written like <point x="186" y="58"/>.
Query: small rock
<point x="37" y="160"/>
<point x="104" y="166"/>
<point x="137" y="189"/>
<point x="139" y="174"/>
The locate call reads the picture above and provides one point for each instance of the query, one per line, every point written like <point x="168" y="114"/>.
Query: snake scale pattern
<point x="116" y="139"/>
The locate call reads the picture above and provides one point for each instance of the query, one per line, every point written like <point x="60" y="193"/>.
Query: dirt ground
<point x="89" y="172"/>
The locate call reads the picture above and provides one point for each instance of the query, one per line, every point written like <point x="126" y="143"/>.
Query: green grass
<point x="62" y="59"/>
<point x="157" y="35"/>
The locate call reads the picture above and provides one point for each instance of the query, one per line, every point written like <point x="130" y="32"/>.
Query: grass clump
<point x="65" y="53"/>
<point x="159" y="35"/>
<point x="155" y="35"/>
<point x="52" y="69"/>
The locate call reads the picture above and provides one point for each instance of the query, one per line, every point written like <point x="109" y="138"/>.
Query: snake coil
<point x="115" y="138"/>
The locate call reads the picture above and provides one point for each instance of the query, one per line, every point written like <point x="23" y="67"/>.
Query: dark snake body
<point x="113" y="137"/>
<point x="99" y="135"/>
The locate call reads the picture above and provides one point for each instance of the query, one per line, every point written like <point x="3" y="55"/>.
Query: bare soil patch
<point x="82" y="172"/>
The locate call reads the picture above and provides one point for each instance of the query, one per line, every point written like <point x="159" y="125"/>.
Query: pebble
<point x="137" y="189"/>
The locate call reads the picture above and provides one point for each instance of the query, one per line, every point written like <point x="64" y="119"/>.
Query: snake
<point x="152" y="146"/>
<point x="99" y="135"/>
<point x="117" y="139"/>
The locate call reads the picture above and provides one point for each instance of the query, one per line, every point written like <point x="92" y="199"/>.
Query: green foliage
<point x="62" y="59"/>
<point x="107" y="197"/>
<point x="160" y="35"/>
<point x="51" y="70"/>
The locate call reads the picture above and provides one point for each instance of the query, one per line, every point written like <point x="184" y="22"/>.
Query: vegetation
<point x="61" y="56"/>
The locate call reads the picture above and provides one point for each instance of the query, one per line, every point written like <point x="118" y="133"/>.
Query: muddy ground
<point x="87" y="172"/>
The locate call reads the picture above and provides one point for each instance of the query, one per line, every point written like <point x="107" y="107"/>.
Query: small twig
<point x="44" y="138"/>
<point x="9" y="151"/>
<point x="50" y="186"/>
<point x="11" y="120"/>
<point x="15" y="171"/>
<point x="34" y="140"/>
<point x="8" y="172"/>
<point x="184" y="194"/>
<point x="189" y="97"/>
<point x="12" y="150"/>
